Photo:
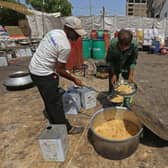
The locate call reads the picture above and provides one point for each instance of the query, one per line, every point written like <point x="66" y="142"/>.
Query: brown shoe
<point x="75" y="130"/>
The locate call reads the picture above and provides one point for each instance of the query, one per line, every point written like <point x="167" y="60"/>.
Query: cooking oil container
<point x="140" y="35"/>
<point x="54" y="143"/>
<point x="88" y="97"/>
<point x="71" y="102"/>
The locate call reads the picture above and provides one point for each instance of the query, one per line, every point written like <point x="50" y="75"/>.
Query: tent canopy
<point x="16" y="7"/>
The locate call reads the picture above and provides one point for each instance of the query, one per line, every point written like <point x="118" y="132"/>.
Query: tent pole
<point x="43" y="17"/>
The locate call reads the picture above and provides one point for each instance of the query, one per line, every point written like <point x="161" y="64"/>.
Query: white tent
<point x="111" y="23"/>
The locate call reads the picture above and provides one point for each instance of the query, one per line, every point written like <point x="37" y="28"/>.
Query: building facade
<point x="164" y="10"/>
<point x="150" y="9"/>
<point x="136" y="8"/>
<point x="157" y="8"/>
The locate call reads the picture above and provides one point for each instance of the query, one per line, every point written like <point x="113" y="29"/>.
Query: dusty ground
<point x="22" y="122"/>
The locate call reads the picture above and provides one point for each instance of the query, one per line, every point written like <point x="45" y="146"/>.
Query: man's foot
<point x="45" y="113"/>
<point x="75" y="130"/>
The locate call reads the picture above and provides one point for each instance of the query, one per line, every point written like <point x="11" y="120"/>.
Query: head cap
<point x="75" y="23"/>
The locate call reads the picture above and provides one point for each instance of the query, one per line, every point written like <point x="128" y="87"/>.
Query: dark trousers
<point x="49" y="91"/>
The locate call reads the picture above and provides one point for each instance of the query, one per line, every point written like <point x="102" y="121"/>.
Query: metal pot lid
<point x="131" y="85"/>
<point x="156" y="122"/>
<point x="18" y="74"/>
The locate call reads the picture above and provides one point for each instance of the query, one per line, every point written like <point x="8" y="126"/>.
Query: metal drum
<point x="98" y="49"/>
<point x="86" y="48"/>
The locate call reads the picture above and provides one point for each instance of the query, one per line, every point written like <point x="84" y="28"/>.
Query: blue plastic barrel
<point x="156" y="45"/>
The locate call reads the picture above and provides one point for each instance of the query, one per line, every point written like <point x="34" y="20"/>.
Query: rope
<point x="76" y="147"/>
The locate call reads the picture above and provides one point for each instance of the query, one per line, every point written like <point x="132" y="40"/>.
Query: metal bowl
<point x="133" y="86"/>
<point x="35" y="40"/>
<point x="109" y="97"/>
<point x="102" y="71"/>
<point x="24" y="42"/>
<point x="18" y="79"/>
<point x="109" y="148"/>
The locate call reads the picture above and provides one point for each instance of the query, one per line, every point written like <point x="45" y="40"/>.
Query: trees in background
<point x="51" y="6"/>
<point x="10" y="17"/>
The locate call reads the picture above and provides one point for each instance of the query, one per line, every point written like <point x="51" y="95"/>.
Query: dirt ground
<point x="22" y="122"/>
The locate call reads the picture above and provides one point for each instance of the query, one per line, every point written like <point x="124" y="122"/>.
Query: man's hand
<point x="61" y="70"/>
<point x="114" y="79"/>
<point x="131" y="75"/>
<point x="130" y="78"/>
<point x="78" y="82"/>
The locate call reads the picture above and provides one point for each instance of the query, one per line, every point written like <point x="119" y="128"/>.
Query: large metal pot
<point x="114" y="149"/>
<point x="18" y="79"/>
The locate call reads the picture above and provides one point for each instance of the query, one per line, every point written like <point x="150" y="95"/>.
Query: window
<point x="143" y="1"/>
<point x="165" y="15"/>
<point x="130" y="10"/>
<point x="130" y="5"/>
<point x="130" y="13"/>
<point x="137" y="1"/>
<point x="130" y="1"/>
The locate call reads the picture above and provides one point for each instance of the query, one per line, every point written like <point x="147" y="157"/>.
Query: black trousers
<point x="49" y="91"/>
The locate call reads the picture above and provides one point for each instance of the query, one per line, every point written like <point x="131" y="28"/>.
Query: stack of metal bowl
<point x="128" y="97"/>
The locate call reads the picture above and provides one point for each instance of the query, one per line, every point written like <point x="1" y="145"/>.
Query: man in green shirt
<point x="121" y="56"/>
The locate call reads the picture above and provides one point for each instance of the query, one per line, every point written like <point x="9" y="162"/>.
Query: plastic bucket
<point x="140" y="35"/>
<point x="156" y="45"/>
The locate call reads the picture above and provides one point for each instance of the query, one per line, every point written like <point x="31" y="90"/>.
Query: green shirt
<point x="121" y="60"/>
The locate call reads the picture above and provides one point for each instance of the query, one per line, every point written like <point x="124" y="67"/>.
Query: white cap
<point x="75" y="23"/>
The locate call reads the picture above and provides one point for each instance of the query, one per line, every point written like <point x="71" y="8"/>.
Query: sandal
<point x="75" y="130"/>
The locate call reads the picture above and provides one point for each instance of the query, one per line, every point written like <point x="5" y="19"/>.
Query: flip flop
<point x="75" y="130"/>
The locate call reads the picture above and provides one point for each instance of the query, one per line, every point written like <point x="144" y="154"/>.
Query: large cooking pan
<point x="18" y="80"/>
<point x="110" y="148"/>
